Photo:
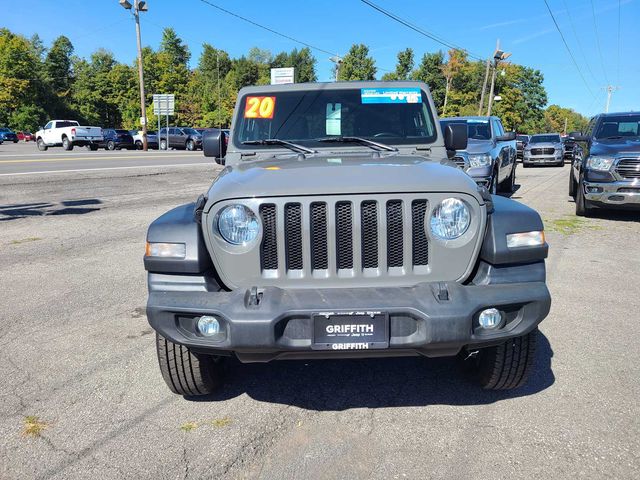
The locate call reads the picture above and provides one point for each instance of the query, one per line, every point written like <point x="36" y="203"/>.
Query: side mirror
<point x="507" y="137"/>
<point x="214" y="145"/>
<point x="455" y="136"/>
<point x="578" y="137"/>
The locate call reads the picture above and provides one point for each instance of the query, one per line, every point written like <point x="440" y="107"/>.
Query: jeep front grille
<point x="347" y="225"/>
<point x="628" y="167"/>
<point x="349" y="240"/>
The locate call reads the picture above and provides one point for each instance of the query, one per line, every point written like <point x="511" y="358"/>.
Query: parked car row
<point x="69" y="133"/>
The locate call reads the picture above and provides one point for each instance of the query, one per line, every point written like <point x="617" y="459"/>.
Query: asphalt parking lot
<point x="77" y="357"/>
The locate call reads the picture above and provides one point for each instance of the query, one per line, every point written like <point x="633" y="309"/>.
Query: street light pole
<point x="484" y="88"/>
<point x="137" y="7"/>
<point x="337" y="59"/>
<point x="498" y="56"/>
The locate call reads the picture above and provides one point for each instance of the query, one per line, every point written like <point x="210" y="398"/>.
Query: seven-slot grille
<point x="628" y="167"/>
<point x="543" y="151"/>
<point x="346" y="234"/>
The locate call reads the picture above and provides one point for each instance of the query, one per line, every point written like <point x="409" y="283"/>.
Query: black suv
<point x="115" y="139"/>
<point x="608" y="174"/>
<point x="184" y="138"/>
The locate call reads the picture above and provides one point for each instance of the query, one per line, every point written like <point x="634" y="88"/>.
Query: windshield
<point x="476" y="129"/>
<point x="190" y="131"/>
<point x="522" y="138"/>
<point x="123" y="132"/>
<point x="545" y="139"/>
<point x="619" y="126"/>
<point x="386" y="115"/>
<point x="4" y="130"/>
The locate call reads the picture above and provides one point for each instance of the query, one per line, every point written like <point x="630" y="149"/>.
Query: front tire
<point x="163" y="144"/>
<point x="508" y="365"/>
<point x="138" y="145"/>
<point x="572" y="186"/>
<point x="509" y="185"/>
<point x="583" y="209"/>
<point x="185" y="372"/>
<point x="110" y="145"/>
<point x="191" y="146"/>
<point x="41" y="145"/>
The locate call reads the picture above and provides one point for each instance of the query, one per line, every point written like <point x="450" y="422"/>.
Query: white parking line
<point x="104" y="168"/>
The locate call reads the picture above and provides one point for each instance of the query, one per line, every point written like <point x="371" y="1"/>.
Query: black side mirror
<point x="578" y="137"/>
<point x="455" y="136"/>
<point x="507" y="137"/>
<point x="214" y="145"/>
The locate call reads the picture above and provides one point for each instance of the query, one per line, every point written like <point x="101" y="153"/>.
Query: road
<point x="25" y="159"/>
<point x="77" y="360"/>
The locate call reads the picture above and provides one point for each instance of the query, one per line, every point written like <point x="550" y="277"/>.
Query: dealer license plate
<point x="350" y="331"/>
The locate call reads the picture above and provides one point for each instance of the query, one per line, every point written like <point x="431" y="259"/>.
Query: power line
<point x="267" y="28"/>
<point x="420" y="30"/>
<point x="595" y="27"/>
<point x="575" y="34"/>
<point x="568" y="49"/>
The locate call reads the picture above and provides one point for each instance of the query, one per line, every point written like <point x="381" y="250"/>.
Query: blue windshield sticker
<point x="390" y="95"/>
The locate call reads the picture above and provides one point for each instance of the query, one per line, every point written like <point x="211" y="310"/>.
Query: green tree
<point x="58" y="66"/>
<point x="174" y="47"/>
<point x="555" y="117"/>
<point x="523" y="98"/>
<point x="430" y="72"/>
<point x="404" y="66"/>
<point x="27" y="118"/>
<point x="357" y="64"/>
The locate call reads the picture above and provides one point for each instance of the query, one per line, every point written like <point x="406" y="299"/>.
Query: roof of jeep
<point x="334" y="86"/>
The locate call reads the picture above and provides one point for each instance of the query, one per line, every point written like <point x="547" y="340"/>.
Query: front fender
<point x="179" y="225"/>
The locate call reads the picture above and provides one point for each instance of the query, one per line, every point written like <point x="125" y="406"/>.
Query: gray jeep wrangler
<point x="339" y="228"/>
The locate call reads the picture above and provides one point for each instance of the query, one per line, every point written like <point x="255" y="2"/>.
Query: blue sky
<point x="524" y="28"/>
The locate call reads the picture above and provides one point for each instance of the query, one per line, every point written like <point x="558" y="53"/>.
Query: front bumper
<point x="421" y="321"/>
<point x="542" y="159"/>
<point x="613" y="194"/>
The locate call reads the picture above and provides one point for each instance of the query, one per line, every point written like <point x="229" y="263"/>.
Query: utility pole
<point x="337" y="59"/>
<point x="498" y="56"/>
<point x="484" y="88"/>
<point x="137" y="7"/>
<point x="610" y="89"/>
<point x="565" y="125"/>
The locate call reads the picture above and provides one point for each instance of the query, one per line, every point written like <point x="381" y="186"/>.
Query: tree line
<point x="39" y="83"/>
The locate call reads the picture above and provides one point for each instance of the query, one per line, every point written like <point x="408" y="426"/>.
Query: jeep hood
<point x="614" y="146"/>
<point x="338" y="174"/>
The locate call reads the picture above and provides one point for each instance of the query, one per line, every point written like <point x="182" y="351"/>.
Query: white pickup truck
<point x="68" y="133"/>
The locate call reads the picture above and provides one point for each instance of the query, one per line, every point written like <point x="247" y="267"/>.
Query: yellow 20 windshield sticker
<point x="259" y="107"/>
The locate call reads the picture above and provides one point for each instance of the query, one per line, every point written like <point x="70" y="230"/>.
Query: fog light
<point x="490" y="318"/>
<point x="208" y="326"/>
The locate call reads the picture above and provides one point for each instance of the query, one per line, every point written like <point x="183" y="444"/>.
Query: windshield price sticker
<point x="390" y="95"/>
<point x="259" y="107"/>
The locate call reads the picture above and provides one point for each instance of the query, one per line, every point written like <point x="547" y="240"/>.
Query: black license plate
<point x="350" y="331"/>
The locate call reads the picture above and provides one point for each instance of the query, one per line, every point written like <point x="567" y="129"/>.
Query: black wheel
<point x="110" y="145"/>
<point x="66" y="144"/>
<point x="93" y="147"/>
<point x="185" y="372"/>
<point x="583" y="209"/>
<point x="41" y="146"/>
<point x="138" y="145"/>
<point x="507" y="365"/>
<point x="572" y="186"/>
<point x="191" y="146"/>
<point x="163" y="144"/>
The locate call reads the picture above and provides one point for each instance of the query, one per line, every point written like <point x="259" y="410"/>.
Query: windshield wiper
<point x="364" y="141"/>
<point x="613" y="137"/>
<point x="277" y="141"/>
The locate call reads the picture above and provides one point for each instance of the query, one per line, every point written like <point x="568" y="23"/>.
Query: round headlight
<point x="238" y="224"/>
<point x="450" y="219"/>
